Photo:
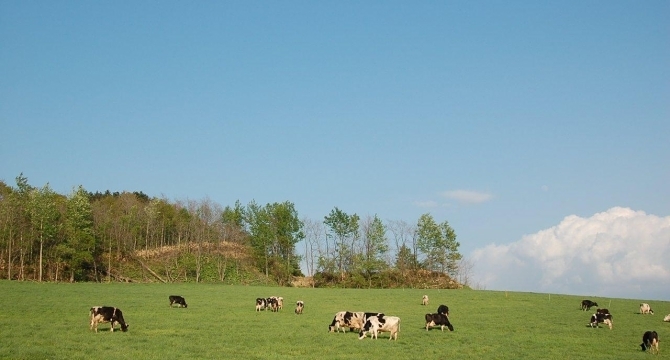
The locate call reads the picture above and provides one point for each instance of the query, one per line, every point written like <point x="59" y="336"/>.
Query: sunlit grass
<point x="40" y="321"/>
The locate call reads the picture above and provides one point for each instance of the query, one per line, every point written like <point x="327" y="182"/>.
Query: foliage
<point x="438" y="244"/>
<point x="344" y="229"/>
<point x="87" y="236"/>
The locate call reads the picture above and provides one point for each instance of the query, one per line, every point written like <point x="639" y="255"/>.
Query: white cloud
<point x="467" y="196"/>
<point x="619" y="252"/>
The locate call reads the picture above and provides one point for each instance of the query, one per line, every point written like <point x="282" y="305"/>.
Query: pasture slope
<point x="50" y="321"/>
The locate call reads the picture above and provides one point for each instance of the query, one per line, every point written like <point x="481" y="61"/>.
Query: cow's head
<point x="124" y="327"/>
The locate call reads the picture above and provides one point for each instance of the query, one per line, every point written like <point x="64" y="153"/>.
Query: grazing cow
<point x="352" y="320"/>
<point x="299" y="306"/>
<point x="598" y="318"/>
<point x="376" y="324"/>
<point x="338" y="321"/>
<point x="443" y="309"/>
<point x="667" y="318"/>
<point x="261" y="304"/>
<point x="588" y="304"/>
<point x="440" y="320"/>
<point x="176" y="299"/>
<point x="273" y="304"/>
<point x="650" y="341"/>
<point x="646" y="309"/>
<point x="424" y="301"/>
<point x="103" y="314"/>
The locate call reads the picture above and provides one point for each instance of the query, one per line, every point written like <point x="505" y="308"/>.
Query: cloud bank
<point x="616" y="253"/>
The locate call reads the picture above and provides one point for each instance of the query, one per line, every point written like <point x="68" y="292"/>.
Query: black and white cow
<point x="646" y="309"/>
<point x="650" y="341"/>
<point x="440" y="320"/>
<point x="600" y="318"/>
<point x="352" y="320"/>
<point x="443" y="309"/>
<point x="272" y="303"/>
<point x="588" y="304"/>
<point x="104" y="314"/>
<point x="376" y="324"/>
<point x="261" y="304"/>
<point x="299" y="305"/>
<point x="176" y="299"/>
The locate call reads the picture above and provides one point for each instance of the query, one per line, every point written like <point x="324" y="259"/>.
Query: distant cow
<point x="299" y="306"/>
<point x="440" y="320"/>
<point x="588" y="304"/>
<point x="424" y="300"/>
<point x="650" y="341"/>
<point x="376" y="324"/>
<point x="667" y="318"/>
<point x="599" y="318"/>
<point x="261" y="304"/>
<point x="443" y="309"/>
<point x="272" y="303"/>
<point x="352" y="320"/>
<point x="646" y="309"/>
<point x="104" y="314"/>
<point x="176" y="299"/>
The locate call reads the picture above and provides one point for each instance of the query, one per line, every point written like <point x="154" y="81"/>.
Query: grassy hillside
<point x="40" y="321"/>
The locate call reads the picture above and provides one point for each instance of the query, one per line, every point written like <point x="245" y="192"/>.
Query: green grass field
<point x="50" y="321"/>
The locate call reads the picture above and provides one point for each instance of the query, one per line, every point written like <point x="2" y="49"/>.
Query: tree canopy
<point x="85" y="236"/>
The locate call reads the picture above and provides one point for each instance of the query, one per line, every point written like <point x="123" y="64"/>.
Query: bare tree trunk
<point x="109" y="262"/>
<point x="9" y="257"/>
<point x="41" y="248"/>
<point x="145" y="267"/>
<point x="21" y="269"/>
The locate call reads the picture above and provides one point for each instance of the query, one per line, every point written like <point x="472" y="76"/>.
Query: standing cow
<point x="588" y="304"/>
<point x="424" y="300"/>
<point x="104" y="314"/>
<point x="376" y="324"/>
<point x="352" y="320"/>
<point x="600" y="318"/>
<point x="261" y="304"/>
<point x="299" y="306"/>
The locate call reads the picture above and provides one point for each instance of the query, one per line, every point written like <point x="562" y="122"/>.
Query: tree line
<point x="84" y="236"/>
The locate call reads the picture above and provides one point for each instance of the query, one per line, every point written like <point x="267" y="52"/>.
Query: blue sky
<point x="503" y="118"/>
